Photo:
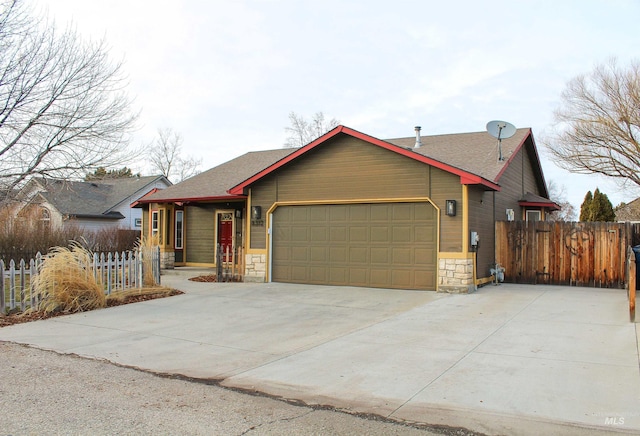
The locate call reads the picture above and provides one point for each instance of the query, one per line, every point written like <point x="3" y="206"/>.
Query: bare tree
<point x="558" y="194"/>
<point x="165" y="156"/>
<point x="598" y="129"/>
<point x="63" y="108"/>
<point x="301" y="132"/>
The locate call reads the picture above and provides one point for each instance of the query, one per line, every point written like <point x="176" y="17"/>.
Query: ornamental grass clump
<point x="66" y="282"/>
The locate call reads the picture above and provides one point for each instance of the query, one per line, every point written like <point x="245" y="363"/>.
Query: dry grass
<point x="146" y="246"/>
<point x="122" y="296"/>
<point x="66" y="283"/>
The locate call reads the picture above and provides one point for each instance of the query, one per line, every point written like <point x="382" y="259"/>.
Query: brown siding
<point x="516" y="181"/>
<point x="263" y="195"/>
<point x="145" y="222"/>
<point x="199" y="233"/>
<point x="481" y="220"/>
<point x="446" y="186"/>
<point x="348" y="168"/>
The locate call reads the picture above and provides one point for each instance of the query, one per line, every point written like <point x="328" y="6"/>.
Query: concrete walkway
<point x="509" y="359"/>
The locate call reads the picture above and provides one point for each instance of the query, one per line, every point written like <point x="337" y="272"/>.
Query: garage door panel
<point x="358" y="276"/>
<point x="338" y="233"/>
<point x="319" y="254"/>
<point x="402" y="234"/>
<point x="401" y="256"/>
<point x="358" y="255"/>
<point x="358" y="234"/>
<point x="299" y="234"/>
<point x="390" y="245"/>
<point x="380" y="255"/>
<point x="379" y="234"/>
<point x="380" y="212"/>
<point x="318" y="274"/>
<point x="319" y="234"/>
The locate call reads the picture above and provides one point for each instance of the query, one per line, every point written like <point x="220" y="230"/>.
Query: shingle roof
<point x="629" y="212"/>
<point x="475" y="153"/>
<point x="92" y="199"/>
<point x="215" y="182"/>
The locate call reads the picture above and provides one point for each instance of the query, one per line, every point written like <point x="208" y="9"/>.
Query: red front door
<point x="225" y="235"/>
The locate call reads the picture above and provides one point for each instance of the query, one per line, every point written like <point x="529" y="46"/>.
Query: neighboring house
<point x="630" y="212"/>
<point x="93" y="205"/>
<point x="351" y="209"/>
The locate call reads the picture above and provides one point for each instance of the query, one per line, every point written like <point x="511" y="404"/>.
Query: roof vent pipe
<point x="418" y="141"/>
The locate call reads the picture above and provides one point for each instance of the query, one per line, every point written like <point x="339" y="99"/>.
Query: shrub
<point x="23" y="236"/>
<point x="66" y="282"/>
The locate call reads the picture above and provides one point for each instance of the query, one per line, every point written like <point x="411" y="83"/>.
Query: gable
<point x="347" y="168"/>
<point x="415" y="154"/>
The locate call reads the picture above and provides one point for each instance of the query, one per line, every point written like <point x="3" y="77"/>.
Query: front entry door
<point x="225" y="235"/>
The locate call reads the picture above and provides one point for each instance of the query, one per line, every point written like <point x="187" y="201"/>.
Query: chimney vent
<point x="418" y="141"/>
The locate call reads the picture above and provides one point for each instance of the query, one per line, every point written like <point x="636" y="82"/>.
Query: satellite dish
<point x="500" y="130"/>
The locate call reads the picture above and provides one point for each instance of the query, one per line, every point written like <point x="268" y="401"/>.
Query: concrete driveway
<point x="509" y="359"/>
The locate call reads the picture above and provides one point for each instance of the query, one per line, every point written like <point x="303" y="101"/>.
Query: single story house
<point x="350" y="209"/>
<point x="93" y="205"/>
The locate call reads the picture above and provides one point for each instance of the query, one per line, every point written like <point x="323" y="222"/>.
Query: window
<point x="45" y="217"/>
<point x="138" y="222"/>
<point x="155" y="224"/>
<point x="533" y="215"/>
<point x="179" y="228"/>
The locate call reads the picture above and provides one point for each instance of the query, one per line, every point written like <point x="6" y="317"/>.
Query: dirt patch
<point x="213" y="278"/>
<point x="20" y="318"/>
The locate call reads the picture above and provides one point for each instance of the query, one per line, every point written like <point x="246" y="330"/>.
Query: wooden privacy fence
<point x="564" y="253"/>
<point x="116" y="271"/>
<point x="632" y="282"/>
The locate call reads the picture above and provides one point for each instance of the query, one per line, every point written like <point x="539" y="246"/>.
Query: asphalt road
<point x="42" y="392"/>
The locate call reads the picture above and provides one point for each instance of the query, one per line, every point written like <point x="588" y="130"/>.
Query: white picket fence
<point x="117" y="271"/>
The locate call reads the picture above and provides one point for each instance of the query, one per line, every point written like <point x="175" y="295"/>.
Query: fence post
<point x="23" y="267"/>
<point x="12" y="284"/>
<point x="218" y="263"/>
<point x="632" y="283"/>
<point x="139" y="272"/>
<point x="109" y="266"/>
<point x="3" y="302"/>
<point x="157" y="266"/>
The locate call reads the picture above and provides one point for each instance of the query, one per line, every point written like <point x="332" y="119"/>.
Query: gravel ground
<point x="42" y="392"/>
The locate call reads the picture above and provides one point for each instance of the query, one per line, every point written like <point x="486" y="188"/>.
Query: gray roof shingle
<point x="476" y="153"/>
<point x="92" y="199"/>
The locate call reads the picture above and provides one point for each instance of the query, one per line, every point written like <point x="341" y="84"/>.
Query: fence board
<point x="564" y="253"/>
<point x="112" y="271"/>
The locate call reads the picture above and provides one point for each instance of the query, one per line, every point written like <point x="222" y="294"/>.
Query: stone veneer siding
<point x="455" y="275"/>
<point x="167" y="260"/>
<point x="255" y="270"/>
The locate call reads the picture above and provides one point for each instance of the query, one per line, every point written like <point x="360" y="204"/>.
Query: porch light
<point x="450" y="208"/>
<point x="256" y="212"/>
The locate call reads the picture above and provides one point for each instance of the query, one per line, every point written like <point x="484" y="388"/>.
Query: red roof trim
<point x="514" y="154"/>
<point x="465" y="177"/>
<point x="551" y="205"/>
<point x="193" y="199"/>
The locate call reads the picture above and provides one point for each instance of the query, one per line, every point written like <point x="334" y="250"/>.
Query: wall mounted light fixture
<point x="450" y="208"/>
<point x="256" y="213"/>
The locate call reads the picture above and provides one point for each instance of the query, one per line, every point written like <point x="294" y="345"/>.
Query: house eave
<point x="184" y="200"/>
<point x="466" y="178"/>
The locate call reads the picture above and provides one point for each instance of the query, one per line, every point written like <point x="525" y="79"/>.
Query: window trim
<point x="179" y="231"/>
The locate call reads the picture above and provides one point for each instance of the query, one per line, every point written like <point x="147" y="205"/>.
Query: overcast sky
<point x="226" y="74"/>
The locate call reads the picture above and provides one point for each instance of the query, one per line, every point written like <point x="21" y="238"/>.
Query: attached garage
<point x="384" y="245"/>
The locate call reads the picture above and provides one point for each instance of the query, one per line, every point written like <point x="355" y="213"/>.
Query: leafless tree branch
<point x="165" y="155"/>
<point x="63" y="107"/>
<point x="301" y="132"/>
<point x="598" y="123"/>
